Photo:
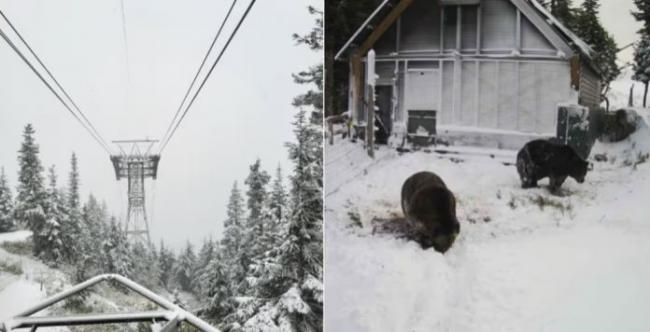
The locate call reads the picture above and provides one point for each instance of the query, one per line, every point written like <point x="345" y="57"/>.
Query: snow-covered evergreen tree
<point x="314" y="75"/>
<point x="642" y="49"/>
<point x="6" y="204"/>
<point x="116" y="251"/>
<point x="562" y="10"/>
<point x="256" y="181"/>
<point x="95" y="219"/>
<point x="184" y="268"/>
<point x="256" y="224"/>
<point x="166" y="262"/>
<point x="227" y="268"/>
<point x="219" y="289"/>
<point x="200" y="282"/>
<point x="233" y="226"/>
<point x="54" y="215"/>
<point x="291" y="282"/>
<point x="145" y="264"/>
<point x="588" y="27"/>
<point x="31" y="195"/>
<point x="289" y="291"/>
<point x="642" y="15"/>
<point x="642" y="64"/>
<point x="76" y="239"/>
<point x="278" y="197"/>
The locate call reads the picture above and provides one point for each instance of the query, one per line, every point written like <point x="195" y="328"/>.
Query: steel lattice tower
<point x="136" y="166"/>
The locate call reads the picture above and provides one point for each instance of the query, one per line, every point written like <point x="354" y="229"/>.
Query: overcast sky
<point x="244" y="111"/>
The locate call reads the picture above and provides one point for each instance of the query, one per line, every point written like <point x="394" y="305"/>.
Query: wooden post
<point x="370" y="121"/>
<point x="370" y="126"/>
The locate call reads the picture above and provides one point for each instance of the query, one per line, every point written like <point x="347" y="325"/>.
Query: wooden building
<point x="481" y="65"/>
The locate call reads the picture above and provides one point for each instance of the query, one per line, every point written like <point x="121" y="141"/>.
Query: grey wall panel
<point x="528" y="89"/>
<point x="447" y="98"/>
<point x="488" y="81"/>
<point x="420" y="26"/>
<point x="468" y="102"/>
<point x="498" y="22"/>
<point x="508" y="96"/>
<point x="468" y="27"/>
<point x="531" y="38"/>
<point x="553" y="88"/>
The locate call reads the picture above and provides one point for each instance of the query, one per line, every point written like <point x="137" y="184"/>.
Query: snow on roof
<point x="582" y="46"/>
<point x="360" y="30"/>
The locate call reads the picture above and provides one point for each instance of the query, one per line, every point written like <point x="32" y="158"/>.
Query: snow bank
<point x="19" y="296"/>
<point x="15" y="236"/>
<point x="632" y="150"/>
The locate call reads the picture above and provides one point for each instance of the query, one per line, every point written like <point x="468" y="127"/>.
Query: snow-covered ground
<point x="38" y="281"/>
<point x="619" y="94"/>
<point x="525" y="260"/>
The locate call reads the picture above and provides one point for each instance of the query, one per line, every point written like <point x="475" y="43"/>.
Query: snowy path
<point x="19" y="296"/>
<point x="579" y="262"/>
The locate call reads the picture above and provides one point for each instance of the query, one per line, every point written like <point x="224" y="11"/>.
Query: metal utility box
<point x="421" y="126"/>
<point x="578" y="127"/>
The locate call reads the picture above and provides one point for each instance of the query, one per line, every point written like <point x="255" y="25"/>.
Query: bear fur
<point x="431" y="209"/>
<point x="541" y="158"/>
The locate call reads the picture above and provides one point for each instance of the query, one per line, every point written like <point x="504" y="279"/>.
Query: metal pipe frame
<point x="113" y="318"/>
<point x="173" y="313"/>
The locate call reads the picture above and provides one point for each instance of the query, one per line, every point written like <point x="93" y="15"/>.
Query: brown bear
<point x="541" y="158"/>
<point x="431" y="209"/>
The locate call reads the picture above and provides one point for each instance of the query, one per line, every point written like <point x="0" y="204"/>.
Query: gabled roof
<point x="580" y="44"/>
<point x="561" y="37"/>
<point x="366" y="28"/>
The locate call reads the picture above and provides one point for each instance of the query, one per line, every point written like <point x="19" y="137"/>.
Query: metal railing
<point x="171" y="313"/>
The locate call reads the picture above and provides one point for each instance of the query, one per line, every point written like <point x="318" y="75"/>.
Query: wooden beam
<point x="478" y="29"/>
<point x="459" y="23"/>
<point x="382" y="27"/>
<point x="574" y="61"/>
<point x="518" y="32"/>
<point x="357" y="88"/>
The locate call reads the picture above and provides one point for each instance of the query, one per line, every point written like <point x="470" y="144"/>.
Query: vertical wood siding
<point x="589" y="87"/>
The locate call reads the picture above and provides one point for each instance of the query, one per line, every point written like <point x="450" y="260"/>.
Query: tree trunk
<point x="645" y="94"/>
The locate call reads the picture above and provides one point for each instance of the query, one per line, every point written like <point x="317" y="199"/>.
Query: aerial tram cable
<point x="196" y="76"/>
<point x="223" y="49"/>
<point x="22" y="56"/>
<point x="126" y="58"/>
<point x="94" y="131"/>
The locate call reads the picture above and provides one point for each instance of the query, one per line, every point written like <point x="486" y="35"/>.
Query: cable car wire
<point x="31" y="66"/>
<point x="223" y="50"/>
<point x="93" y="131"/>
<point x="196" y="76"/>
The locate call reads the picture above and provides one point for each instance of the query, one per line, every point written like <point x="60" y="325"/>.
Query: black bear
<point x="431" y="208"/>
<point x="541" y="158"/>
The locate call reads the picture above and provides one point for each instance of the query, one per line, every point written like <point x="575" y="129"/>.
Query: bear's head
<point x="579" y="169"/>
